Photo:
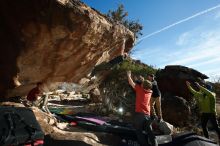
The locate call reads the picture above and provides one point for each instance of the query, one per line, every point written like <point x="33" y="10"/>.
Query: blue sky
<point x="191" y="36"/>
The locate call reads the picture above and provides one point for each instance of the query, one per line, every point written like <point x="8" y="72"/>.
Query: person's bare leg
<point x="158" y="106"/>
<point x="152" y="103"/>
<point x="45" y="102"/>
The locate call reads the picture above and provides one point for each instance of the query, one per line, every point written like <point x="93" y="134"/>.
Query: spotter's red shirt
<point x="142" y="103"/>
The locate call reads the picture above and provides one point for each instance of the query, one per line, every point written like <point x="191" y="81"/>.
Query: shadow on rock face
<point x="10" y="49"/>
<point x="176" y="110"/>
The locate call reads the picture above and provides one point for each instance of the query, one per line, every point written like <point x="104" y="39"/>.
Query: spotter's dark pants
<point x="204" y="120"/>
<point x="142" y="123"/>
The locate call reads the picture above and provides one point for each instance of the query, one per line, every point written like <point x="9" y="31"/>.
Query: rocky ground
<point x="59" y="133"/>
<point x="82" y="137"/>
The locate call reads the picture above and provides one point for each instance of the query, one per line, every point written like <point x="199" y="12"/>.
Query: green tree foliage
<point x="120" y="15"/>
<point x="115" y="89"/>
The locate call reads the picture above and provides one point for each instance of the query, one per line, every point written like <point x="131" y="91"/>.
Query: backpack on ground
<point x="19" y="127"/>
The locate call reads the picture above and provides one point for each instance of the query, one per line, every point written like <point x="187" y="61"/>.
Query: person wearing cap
<point x="34" y="93"/>
<point x="206" y="101"/>
<point x="156" y="98"/>
<point x="142" y="110"/>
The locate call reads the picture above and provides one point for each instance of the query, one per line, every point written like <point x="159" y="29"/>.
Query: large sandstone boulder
<point x="176" y="97"/>
<point x="176" y="110"/>
<point x="53" y="41"/>
<point x="172" y="80"/>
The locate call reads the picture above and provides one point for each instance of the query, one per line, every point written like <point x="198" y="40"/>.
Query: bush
<point x="116" y="91"/>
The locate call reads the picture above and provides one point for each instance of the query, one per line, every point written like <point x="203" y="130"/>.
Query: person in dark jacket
<point x="156" y="98"/>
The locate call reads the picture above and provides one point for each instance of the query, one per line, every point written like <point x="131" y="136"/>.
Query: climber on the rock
<point x="206" y="101"/>
<point x="122" y="55"/>
<point x="108" y="65"/>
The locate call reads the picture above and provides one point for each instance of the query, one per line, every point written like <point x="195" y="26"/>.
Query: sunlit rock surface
<point x="52" y="41"/>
